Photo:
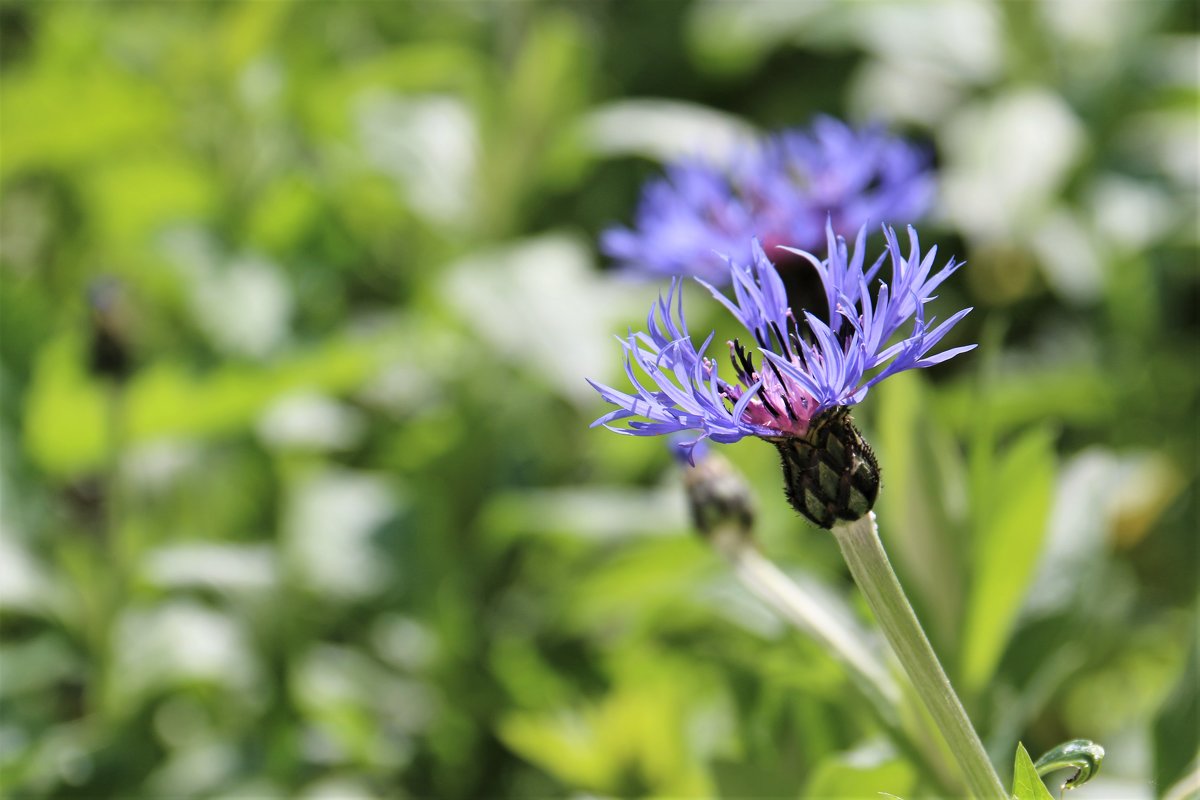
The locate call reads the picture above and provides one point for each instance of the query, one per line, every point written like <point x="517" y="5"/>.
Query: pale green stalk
<point x="868" y="562"/>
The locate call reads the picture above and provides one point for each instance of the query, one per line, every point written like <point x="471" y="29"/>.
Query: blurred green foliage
<point x="344" y="531"/>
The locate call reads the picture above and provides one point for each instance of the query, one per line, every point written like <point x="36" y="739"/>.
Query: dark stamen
<point x="738" y="369"/>
<point x="747" y="362"/>
<point x="748" y="374"/>
<point x="788" y="406"/>
<point x="782" y="341"/>
<point x="775" y="369"/>
<point x="796" y="343"/>
<point x="783" y="396"/>
<point x="762" y="395"/>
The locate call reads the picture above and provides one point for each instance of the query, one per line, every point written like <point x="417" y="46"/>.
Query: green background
<point x="344" y="532"/>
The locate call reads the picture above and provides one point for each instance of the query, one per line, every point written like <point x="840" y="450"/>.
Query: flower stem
<point x="868" y="562"/>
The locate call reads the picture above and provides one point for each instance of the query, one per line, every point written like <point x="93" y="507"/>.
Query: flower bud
<point x="108" y="349"/>
<point x="718" y="497"/>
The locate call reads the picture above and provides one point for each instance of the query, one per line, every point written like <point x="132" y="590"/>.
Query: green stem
<point x="868" y="562"/>
<point x="114" y="580"/>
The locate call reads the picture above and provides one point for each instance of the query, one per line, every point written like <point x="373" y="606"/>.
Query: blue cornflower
<point x="810" y="369"/>
<point x="781" y="191"/>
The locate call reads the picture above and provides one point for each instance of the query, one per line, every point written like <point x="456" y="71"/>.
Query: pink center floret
<point x="787" y="408"/>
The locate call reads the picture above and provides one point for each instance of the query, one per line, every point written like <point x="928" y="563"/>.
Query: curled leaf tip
<point x="1081" y="754"/>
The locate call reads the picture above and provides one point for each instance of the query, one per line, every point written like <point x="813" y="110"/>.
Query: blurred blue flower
<point x="781" y="191"/>
<point x="807" y="365"/>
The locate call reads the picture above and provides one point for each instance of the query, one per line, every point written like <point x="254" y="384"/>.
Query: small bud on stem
<point x="718" y="497"/>
<point x="109" y="356"/>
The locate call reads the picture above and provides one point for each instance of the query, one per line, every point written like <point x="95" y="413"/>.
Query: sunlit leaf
<point x="70" y="416"/>
<point x="914" y="527"/>
<point x="134" y="198"/>
<point x="61" y="119"/>
<point x="1010" y="528"/>
<point x="863" y="775"/>
<point x="629" y="744"/>
<point x="1026" y="783"/>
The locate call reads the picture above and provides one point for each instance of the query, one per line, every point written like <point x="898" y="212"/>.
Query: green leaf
<point x="843" y="777"/>
<point x="1078" y="395"/>
<point x="1176" y="735"/>
<point x="1011" y="512"/>
<point x="61" y="118"/>
<point x="627" y="744"/>
<point x="135" y="197"/>
<point x="640" y="580"/>
<point x="1026" y="783"/>
<point x="69" y="415"/>
<point x="736" y="779"/>
<point x="911" y="506"/>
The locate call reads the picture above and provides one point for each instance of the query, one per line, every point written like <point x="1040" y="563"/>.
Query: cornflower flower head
<point x="781" y="190"/>
<point x="793" y="384"/>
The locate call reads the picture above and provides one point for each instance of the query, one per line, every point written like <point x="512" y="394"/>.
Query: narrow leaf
<point x="1026" y="783"/>
<point x="1011" y="527"/>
